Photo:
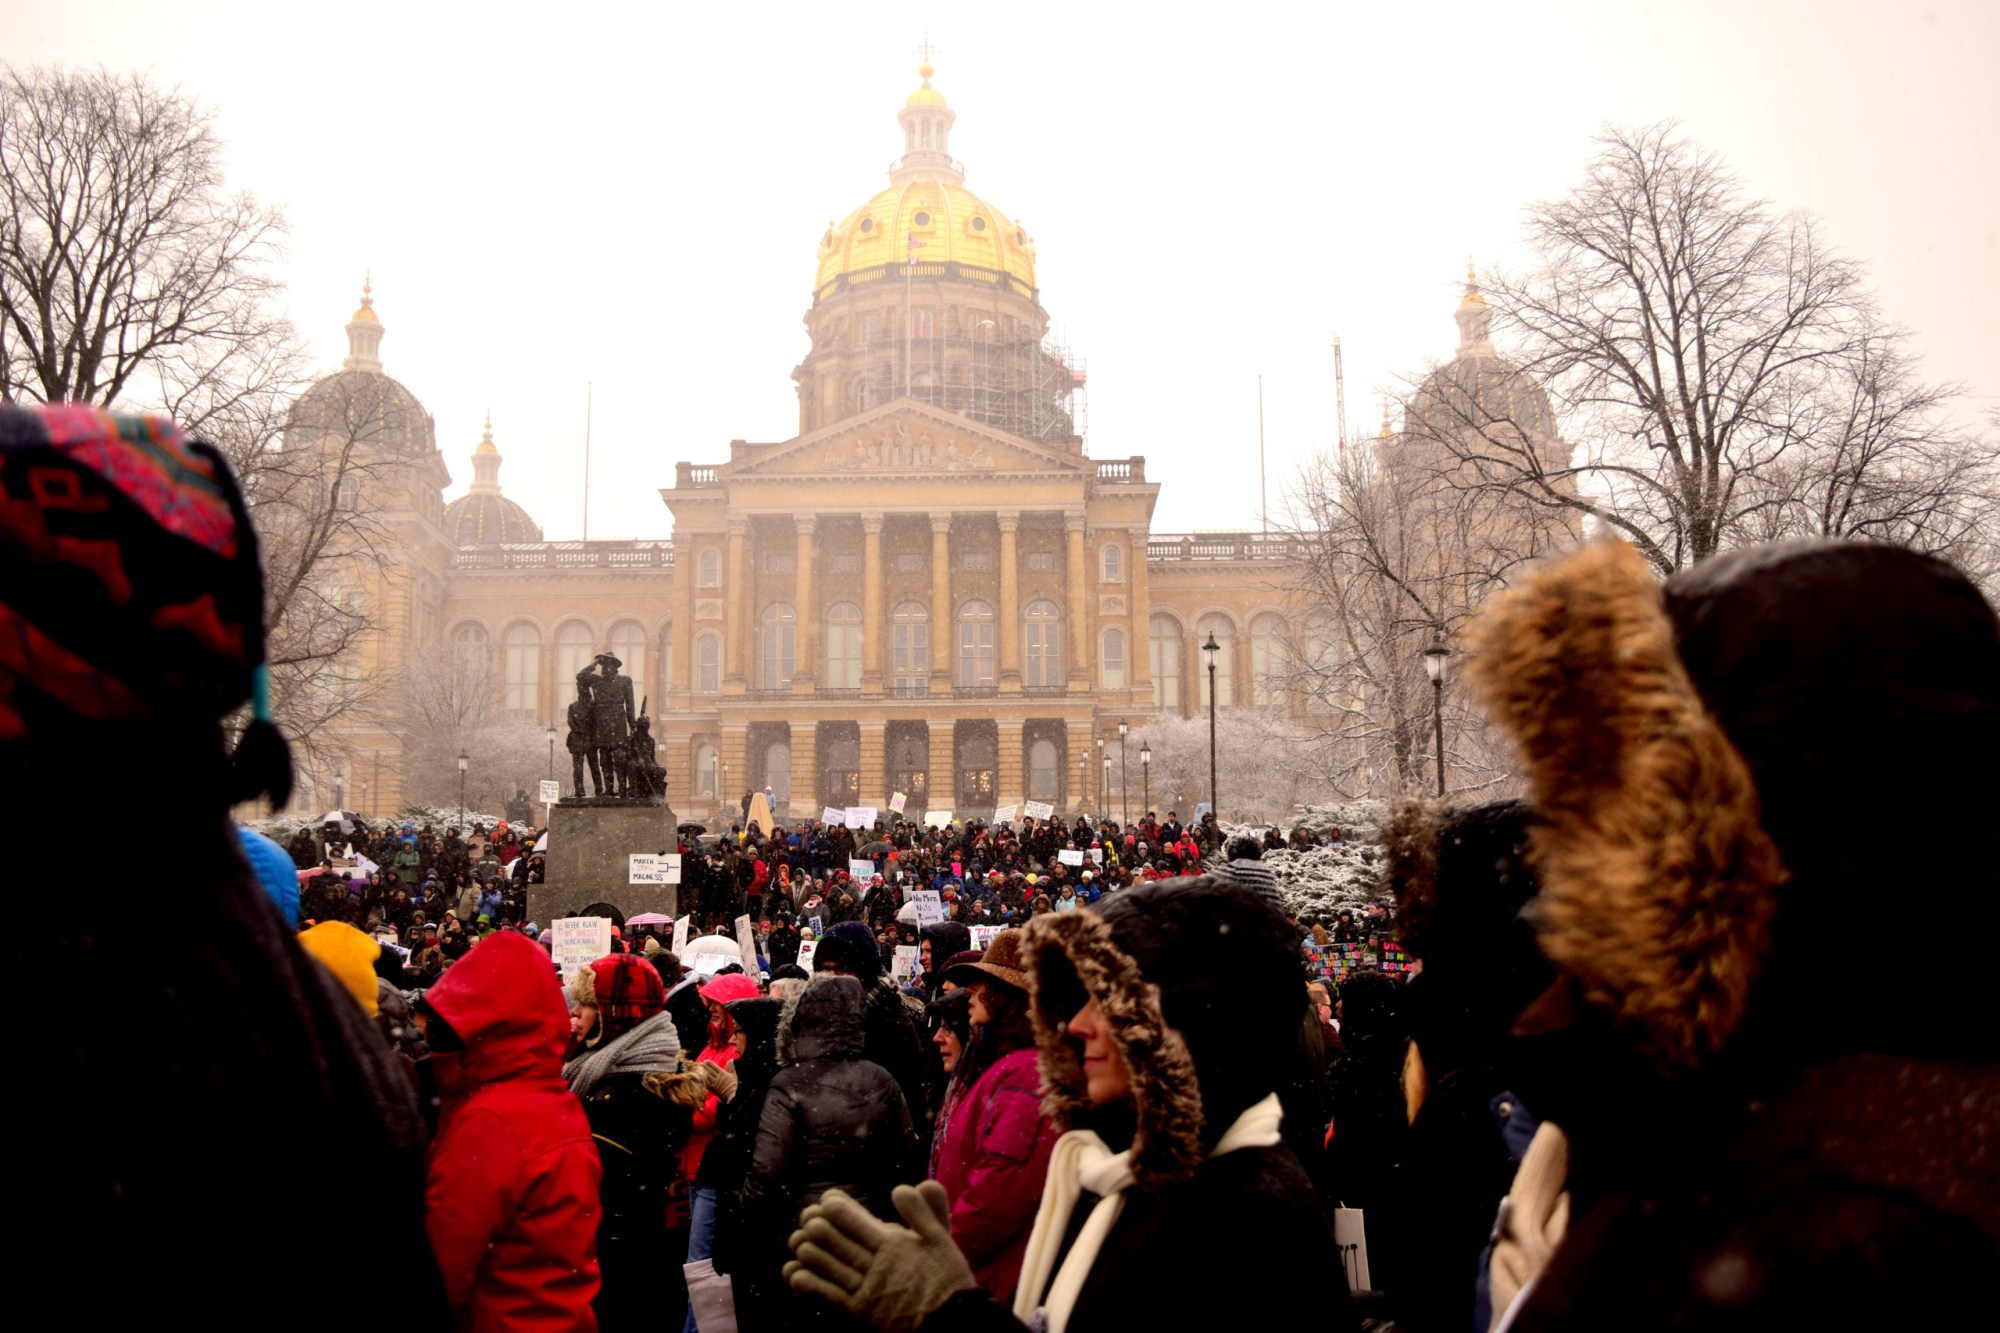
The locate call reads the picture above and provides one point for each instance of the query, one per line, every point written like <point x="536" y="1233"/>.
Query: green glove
<point x="889" y="1277"/>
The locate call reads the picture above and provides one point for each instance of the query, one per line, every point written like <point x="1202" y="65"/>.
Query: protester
<point x="720" y="1052"/>
<point x="514" y="1175"/>
<point x="626" y="1035"/>
<point x="1747" y="1151"/>
<point x="1245" y="865"/>
<point x="889" y="1019"/>
<point x="1163" y="1024"/>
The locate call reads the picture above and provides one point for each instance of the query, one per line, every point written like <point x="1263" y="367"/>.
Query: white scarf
<point x="1081" y="1161"/>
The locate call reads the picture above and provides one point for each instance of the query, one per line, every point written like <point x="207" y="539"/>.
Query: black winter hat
<point x="851" y="947"/>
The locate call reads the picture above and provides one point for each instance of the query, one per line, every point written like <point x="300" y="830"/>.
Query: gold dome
<point x="926" y="95"/>
<point x="366" y="313"/>
<point x="950" y="223"/>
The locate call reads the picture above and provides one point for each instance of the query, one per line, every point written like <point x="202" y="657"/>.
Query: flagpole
<point x="587" y="386"/>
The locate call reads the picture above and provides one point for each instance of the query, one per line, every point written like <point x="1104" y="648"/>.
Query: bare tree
<point x="1722" y="372"/>
<point x="1264" y="765"/>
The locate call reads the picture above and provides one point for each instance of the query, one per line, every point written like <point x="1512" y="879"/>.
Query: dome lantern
<point x="1475" y="320"/>
<point x="927" y="122"/>
<point x="483" y="516"/>
<point x="364" y="333"/>
<point x="486" y="463"/>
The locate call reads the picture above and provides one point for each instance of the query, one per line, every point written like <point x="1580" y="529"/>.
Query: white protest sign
<point x="648" y="868"/>
<point x="937" y="819"/>
<point x="579" y="942"/>
<point x="859" y="816"/>
<point x="680" y="937"/>
<point x="551" y="791"/>
<point x="747" y="937"/>
<point x="930" y="909"/>
<point x="861" y="868"/>
<point x="830" y="816"/>
<point x="1201" y="808"/>
<point x="897" y="800"/>
<point x="982" y="936"/>
<point x="807" y="948"/>
<point x="1004" y="814"/>
<point x="1070" y="856"/>
<point x="1097" y="855"/>
<point x="909" y="965"/>
<point x="1039" y="810"/>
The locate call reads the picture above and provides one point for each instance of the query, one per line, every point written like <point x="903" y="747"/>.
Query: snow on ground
<point x="1328" y="880"/>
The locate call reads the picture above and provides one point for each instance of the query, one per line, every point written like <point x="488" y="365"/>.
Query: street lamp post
<point x="366" y="809"/>
<point x="1103" y="781"/>
<point x="1146" y="776"/>
<point x="1124" y="778"/>
<point x="1210" y="649"/>
<point x="1435" y="657"/>
<point x="464" y="762"/>
<point x="1082" y="781"/>
<point x="552" y="753"/>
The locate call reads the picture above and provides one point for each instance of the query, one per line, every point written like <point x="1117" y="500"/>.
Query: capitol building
<point x="931" y="589"/>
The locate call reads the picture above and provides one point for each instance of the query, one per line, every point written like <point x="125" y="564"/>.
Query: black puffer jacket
<point x="831" y="1120"/>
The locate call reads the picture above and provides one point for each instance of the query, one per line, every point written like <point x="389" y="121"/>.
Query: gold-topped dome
<point x="483" y="516"/>
<point x="1472" y="296"/>
<point x="367" y="310"/>
<point x="926" y="216"/>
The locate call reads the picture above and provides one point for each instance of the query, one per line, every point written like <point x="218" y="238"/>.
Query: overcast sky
<point x="632" y="196"/>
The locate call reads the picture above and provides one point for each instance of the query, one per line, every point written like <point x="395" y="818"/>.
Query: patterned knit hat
<point x="625" y="989"/>
<point x="130" y="587"/>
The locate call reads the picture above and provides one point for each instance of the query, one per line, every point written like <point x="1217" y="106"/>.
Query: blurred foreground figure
<point x="1752" y="1142"/>
<point x="180" y="1053"/>
<point x="1165" y="1024"/>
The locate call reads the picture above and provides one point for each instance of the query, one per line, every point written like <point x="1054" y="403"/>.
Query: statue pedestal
<point x="589" y="841"/>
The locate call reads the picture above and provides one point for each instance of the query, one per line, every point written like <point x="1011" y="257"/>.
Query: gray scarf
<point x="655" y="1045"/>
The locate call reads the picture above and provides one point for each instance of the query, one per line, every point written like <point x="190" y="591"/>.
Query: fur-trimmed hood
<point x="1198" y="981"/>
<point x="1699" y="754"/>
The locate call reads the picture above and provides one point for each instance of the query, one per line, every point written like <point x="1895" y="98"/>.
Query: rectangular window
<point x="975" y="786"/>
<point x="975" y="560"/>
<point x="779" y="562"/>
<point x="1041" y="560"/>
<point x="1113" y="659"/>
<point x="910" y="562"/>
<point x="844" y="562"/>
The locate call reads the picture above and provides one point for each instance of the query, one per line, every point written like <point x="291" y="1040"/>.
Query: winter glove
<point x="720" y="1079"/>
<point x="889" y="1277"/>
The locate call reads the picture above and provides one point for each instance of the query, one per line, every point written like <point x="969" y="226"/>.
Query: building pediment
<point x="905" y="438"/>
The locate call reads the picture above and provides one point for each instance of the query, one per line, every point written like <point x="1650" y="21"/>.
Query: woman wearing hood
<point x="1164" y="1025"/>
<point x="832" y="1120"/>
<point x="513" y="1178"/>
<point x="625" y="1035"/>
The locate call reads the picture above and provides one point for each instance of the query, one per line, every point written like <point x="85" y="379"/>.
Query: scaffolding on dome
<point x="1007" y="378"/>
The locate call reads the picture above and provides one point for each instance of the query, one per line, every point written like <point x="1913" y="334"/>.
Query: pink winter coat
<point x="994" y="1159"/>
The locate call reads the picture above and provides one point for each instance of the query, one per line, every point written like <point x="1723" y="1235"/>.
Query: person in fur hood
<point x="1746" y="1150"/>
<point x="1164" y="1024"/>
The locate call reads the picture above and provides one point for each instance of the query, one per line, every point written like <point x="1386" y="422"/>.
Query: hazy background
<point x="551" y="195"/>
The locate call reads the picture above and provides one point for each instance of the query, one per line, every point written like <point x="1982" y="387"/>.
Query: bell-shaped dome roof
<point x="1479" y="389"/>
<point x="359" y="403"/>
<point x="483" y="516"/>
<point x="926" y="216"/>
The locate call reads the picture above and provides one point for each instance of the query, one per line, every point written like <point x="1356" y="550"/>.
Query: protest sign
<point x="551" y="792"/>
<point x="1097" y="855"/>
<point x="1039" y="810"/>
<point x="648" y="868"/>
<point x="1005" y="814"/>
<point x="937" y="819"/>
<point x="680" y="936"/>
<point x="1394" y="959"/>
<point x="579" y="941"/>
<point x="807" y="948"/>
<point x="1070" y="856"/>
<point x="830" y="816"/>
<point x="1201" y="808"/>
<point x="897" y="800"/>
<point x="747" y="937"/>
<point x="859" y="816"/>
<point x="982" y="936"/>
<point x="909" y="965"/>
<point x="861" y="868"/>
<point x="930" y="910"/>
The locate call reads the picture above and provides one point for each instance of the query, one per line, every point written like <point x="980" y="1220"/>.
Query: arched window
<point x="471" y="663"/>
<point x="1041" y="640"/>
<point x="778" y="769"/>
<point x="709" y="566"/>
<point x="1166" y="662"/>
<point x="975" y="643"/>
<point x="523" y="669"/>
<point x="1112" y="559"/>
<point x="1225" y="669"/>
<point x="1267" y="661"/>
<point x="843" y="646"/>
<point x="1320" y="661"/>
<point x="573" y="654"/>
<point x="910" y="644"/>
<point x="705" y="775"/>
<point x="1111" y="659"/>
<point x="777" y="647"/>
<point x="1044" y="771"/>
<point x="628" y="645"/>
<point x="708" y="664"/>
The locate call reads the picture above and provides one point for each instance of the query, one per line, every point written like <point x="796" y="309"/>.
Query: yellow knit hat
<point x="349" y="955"/>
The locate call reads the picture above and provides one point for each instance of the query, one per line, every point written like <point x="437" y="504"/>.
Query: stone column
<point x="680" y="682"/>
<point x="805" y="670"/>
<point x="1078" y="616"/>
<point x="1011" y="774"/>
<point x="874" y="763"/>
<point x="736" y="626"/>
<point x="805" y="773"/>
<point x="941" y="608"/>
<point x="1139" y="638"/>
<point x="874" y="624"/>
<point x="1010" y="606"/>
<point x="735" y="747"/>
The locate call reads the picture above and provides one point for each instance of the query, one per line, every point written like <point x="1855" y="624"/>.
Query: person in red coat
<point x="514" y="1175"/>
<point x="994" y="1149"/>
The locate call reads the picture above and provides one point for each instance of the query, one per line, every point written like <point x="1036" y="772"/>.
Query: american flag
<point x="915" y="245"/>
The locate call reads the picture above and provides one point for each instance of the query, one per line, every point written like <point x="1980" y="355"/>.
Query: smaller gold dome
<point x="926" y="95"/>
<point x="1472" y="296"/>
<point x="486" y="445"/>
<point x="366" y="313"/>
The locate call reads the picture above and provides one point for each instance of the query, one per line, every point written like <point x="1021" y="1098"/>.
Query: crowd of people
<point x="1627" y="1080"/>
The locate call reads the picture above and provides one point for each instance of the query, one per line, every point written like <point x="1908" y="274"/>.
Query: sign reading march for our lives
<point x="930" y="910"/>
<point x="1039" y="810"/>
<point x="1070" y="856"/>
<point x="579" y="941"/>
<point x="648" y="868"/>
<point x="830" y="817"/>
<point x="897" y="800"/>
<point x="937" y="819"/>
<point x="551" y="792"/>
<point x="982" y="936"/>
<point x="807" y="948"/>
<point x="1004" y="814"/>
<point x="859" y="816"/>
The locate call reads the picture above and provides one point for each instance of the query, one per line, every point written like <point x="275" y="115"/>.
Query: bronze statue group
<point x="612" y="737"/>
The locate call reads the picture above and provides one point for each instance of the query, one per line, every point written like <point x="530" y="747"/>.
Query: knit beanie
<point x="349" y="955"/>
<point x="851" y="946"/>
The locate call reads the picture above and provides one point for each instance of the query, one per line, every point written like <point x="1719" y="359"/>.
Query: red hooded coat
<point x="513" y="1179"/>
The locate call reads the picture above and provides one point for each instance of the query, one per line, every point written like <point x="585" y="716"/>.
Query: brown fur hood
<point x="1658" y="879"/>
